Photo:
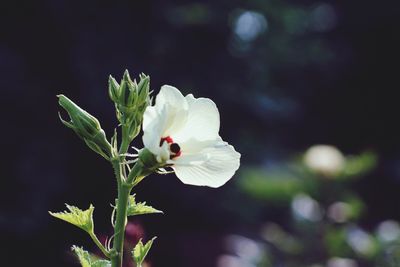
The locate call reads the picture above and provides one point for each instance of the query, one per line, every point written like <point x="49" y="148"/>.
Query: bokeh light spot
<point x="244" y="247"/>
<point x="388" y="231"/>
<point x="360" y="241"/>
<point x="324" y="17"/>
<point x="306" y="208"/>
<point x="341" y="262"/>
<point x="339" y="212"/>
<point x="249" y="25"/>
<point x="232" y="261"/>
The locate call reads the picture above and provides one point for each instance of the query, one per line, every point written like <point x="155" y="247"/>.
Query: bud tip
<point x="126" y="75"/>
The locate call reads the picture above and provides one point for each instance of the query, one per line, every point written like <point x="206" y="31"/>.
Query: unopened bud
<point x="131" y="99"/>
<point x="128" y="92"/>
<point x="144" y="87"/>
<point x="85" y="126"/>
<point x="113" y="89"/>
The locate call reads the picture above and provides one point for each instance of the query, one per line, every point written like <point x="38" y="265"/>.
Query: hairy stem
<point x="125" y="141"/>
<point x="125" y="186"/>
<point x="121" y="216"/>
<point x="120" y="224"/>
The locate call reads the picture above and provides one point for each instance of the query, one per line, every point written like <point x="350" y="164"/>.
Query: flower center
<point x="174" y="148"/>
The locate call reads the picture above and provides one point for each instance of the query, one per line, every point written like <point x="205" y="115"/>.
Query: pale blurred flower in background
<point x="324" y="159"/>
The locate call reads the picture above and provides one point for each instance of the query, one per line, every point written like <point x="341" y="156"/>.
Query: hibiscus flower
<point x="183" y="133"/>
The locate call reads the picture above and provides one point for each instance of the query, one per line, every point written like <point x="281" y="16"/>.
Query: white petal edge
<point x="213" y="166"/>
<point x="170" y="95"/>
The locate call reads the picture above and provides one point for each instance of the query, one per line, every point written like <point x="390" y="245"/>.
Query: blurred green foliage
<point x="323" y="212"/>
<point x="277" y="186"/>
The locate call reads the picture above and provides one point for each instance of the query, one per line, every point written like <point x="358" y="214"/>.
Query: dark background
<point x="285" y="75"/>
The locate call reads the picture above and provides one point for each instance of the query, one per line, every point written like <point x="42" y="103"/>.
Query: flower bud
<point x="128" y="92"/>
<point x="85" y="126"/>
<point x="143" y="89"/>
<point x="131" y="99"/>
<point x="113" y="89"/>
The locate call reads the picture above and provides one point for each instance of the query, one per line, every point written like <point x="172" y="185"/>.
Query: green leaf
<point x="140" y="251"/>
<point x="360" y="164"/>
<point x="80" y="218"/>
<point x="86" y="260"/>
<point x="277" y="186"/>
<point x="83" y="256"/>
<point x="101" y="263"/>
<point x="139" y="208"/>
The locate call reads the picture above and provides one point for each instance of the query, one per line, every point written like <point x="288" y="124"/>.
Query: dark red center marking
<point x="167" y="139"/>
<point x="173" y="147"/>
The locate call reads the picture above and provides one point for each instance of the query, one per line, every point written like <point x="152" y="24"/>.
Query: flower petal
<point x="171" y="101"/>
<point x="213" y="166"/>
<point x="203" y="120"/>
<point x="150" y="114"/>
<point x="153" y="129"/>
<point x="167" y="116"/>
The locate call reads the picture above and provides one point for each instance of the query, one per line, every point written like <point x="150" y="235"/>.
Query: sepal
<point x="140" y="251"/>
<point x="96" y="148"/>
<point x="149" y="160"/>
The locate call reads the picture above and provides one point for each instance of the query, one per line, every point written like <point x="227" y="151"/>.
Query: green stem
<point x="125" y="185"/>
<point x="121" y="217"/>
<point x="122" y="205"/>
<point x="120" y="224"/>
<point x="99" y="245"/>
<point x="125" y="141"/>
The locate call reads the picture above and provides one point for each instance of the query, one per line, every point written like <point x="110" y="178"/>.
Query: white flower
<point x="183" y="133"/>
